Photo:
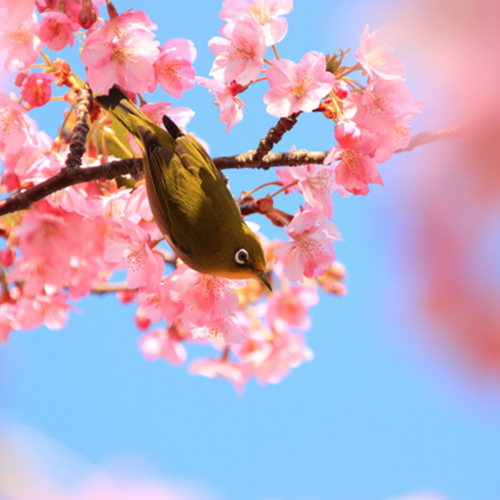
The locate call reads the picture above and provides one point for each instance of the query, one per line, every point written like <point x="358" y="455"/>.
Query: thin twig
<point x="439" y="135"/>
<point x="103" y="288"/>
<point x="81" y="129"/>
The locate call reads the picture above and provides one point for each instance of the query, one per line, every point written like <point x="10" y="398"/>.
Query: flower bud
<point x="141" y="320"/>
<point x="332" y="279"/>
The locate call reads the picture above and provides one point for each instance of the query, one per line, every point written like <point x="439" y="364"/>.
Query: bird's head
<point x="244" y="257"/>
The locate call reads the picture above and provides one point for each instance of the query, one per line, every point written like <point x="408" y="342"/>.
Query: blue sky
<point x="379" y="413"/>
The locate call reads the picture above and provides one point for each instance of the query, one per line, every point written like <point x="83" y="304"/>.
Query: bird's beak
<point x="263" y="277"/>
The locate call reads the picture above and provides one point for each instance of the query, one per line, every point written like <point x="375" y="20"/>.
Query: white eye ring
<point x="241" y="256"/>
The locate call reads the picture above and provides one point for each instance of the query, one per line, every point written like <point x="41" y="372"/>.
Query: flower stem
<point x="275" y="183"/>
<point x="284" y="188"/>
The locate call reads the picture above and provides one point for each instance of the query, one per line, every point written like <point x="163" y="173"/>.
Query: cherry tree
<point x="76" y="210"/>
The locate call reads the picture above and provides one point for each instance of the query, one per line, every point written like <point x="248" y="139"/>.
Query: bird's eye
<point x="241" y="256"/>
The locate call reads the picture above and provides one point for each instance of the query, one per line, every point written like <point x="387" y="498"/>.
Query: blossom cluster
<point x="74" y="241"/>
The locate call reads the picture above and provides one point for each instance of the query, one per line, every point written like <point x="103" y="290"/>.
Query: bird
<point x="189" y="198"/>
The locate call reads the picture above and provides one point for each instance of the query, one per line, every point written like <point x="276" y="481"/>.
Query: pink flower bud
<point x="7" y="257"/>
<point x="87" y="17"/>
<point x="141" y="320"/>
<point x="126" y="296"/>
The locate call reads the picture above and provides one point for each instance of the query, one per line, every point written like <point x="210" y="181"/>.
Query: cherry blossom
<point x="311" y="252"/>
<point x="36" y="89"/>
<point x="157" y="301"/>
<point x="271" y="361"/>
<point x="287" y="309"/>
<point x="129" y="246"/>
<point x="160" y="344"/>
<point x="381" y="106"/>
<point x="21" y="41"/>
<point x="75" y="240"/>
<point x="174" y="67"/>
<point x="332" y="280"/>
<point x="71" y="199"/>
<point x="266" y="12"/>
<point x="137" y="206"/>
<point x="56" y="30"/>
<point x="398" y="138"/>
<point x="204" y="295"/>
<point x="356" y="168"/>
<point x="223" y="368"/>
<point x="49" y="310"/>
<point x="299" y="86"/>
<point x="240" y="54"/>
<point x="125" y="47"/>
<point x="16" y="11"/>
<point x="13" y="125"/>
<point x="84" y="13"/>
<point x="45" y="234"/>
<point x="40" y="274"/>
<point x="156" y="111"/>
<point x="228" y="329"/>
<point x="8" y="320"/>
<point x="374" y="54"/>
<point x="315" y="182"/>
<point x="142" y="322"/>
<point x="230" y="105"/>
<point x="50" y="259"/>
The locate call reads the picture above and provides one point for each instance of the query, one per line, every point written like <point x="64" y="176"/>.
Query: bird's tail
<point x="119" y="105"/>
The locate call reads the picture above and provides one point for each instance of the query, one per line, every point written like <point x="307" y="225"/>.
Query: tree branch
<point x="274" y="136"/>
<point x="293" y="159"/>
<point x="69" y="177"/>
<point x="133" y="166"/>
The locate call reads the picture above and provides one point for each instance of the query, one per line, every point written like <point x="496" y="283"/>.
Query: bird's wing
<point x="197" y="205"/>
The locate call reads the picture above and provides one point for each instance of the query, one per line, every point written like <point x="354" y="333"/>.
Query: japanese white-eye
<point x="189" y="198"/>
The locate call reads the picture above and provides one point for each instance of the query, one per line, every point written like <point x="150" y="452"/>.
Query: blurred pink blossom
<point x="275" y="359"/>
<point x="21" y="41"/>
<point x="160" y="344"/>
<point x="13" y="126"/>
<point x="49" y="310"/>
<point x="374" y="54"/>
<point x="266" y="12"/>
<point x="289" y="308"/>
<point x="381" y="106"/>
<point x="236" y="373"/>
<point x="16" y="11"/>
